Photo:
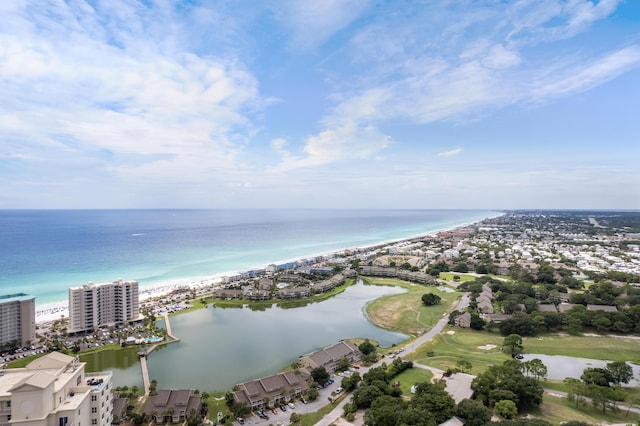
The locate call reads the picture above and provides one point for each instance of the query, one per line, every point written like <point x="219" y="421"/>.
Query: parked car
<point x="274" y="410"/>
<point x="339" y="389"/>
<point x="283" y="408"/>
<point x="240" y="420"/>
<point x="291" y="405"/>
<point x="304" y="401"/>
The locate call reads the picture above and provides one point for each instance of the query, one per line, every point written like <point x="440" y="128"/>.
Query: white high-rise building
<point x="17" y="319"/>
<point x="54" y="390"/>
<point x="96" y="305"/>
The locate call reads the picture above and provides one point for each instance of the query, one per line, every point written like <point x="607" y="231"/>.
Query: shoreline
<point x="52" y="311"/>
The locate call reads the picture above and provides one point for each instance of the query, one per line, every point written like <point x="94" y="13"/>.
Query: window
<point x="94" y="410"/>
<point x="78" y="380"/>
<point x="94" y="421"/>
<point x="8" y="404"/>
<point x="94" y="398"/>
<point x="62" y="421"/>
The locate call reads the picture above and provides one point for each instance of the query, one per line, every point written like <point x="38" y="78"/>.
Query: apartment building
<point x="96" y="305"/>
<point x="54" y="390"/>
<point x="17" y="319"/>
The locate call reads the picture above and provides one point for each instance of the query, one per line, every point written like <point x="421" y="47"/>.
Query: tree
<point x="476" y="323"/>
<point x="512" y="344"/>
<point x="343" y="364"/>
<point x="620" y="372"/>
<point x="461" y="267"/>
<point x="464" y="365"/>
<point x="350" y="383"/>
<point x="312" y="394"/>
<point x="597" y="376"/>
<point x="473" y="412"/>
<point x="295" y="418"/>
<point x="536" y="368"/>
<point x="506" y="408"/>
<point x="365" y="395"/>
<point x="320" y="375"/>
<point x="367" y="347"/>
<point x="430" y="299"/>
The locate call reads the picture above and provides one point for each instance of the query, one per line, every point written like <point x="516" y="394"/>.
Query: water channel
<point x="222" y="347"/>
<point x="560" y="367"/>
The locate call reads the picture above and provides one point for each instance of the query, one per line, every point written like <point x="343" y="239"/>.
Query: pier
<point x="142" y="355"/>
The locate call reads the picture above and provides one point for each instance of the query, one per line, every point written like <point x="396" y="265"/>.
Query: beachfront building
<point x="54" y="390"/>
<point x="97" y="305"/>
<point x="17" y="319"/>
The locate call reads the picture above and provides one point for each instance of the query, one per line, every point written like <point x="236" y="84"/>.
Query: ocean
<point x="44" y="252"/>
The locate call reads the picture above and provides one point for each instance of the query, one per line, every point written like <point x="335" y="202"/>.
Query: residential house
<point x="463" y="320"/>
<point x="330" y="356"/>
<point x="603" y="308"/>
<point x="173" y="406"/>
<point x="293" y="293"/>
<point x="270" y="391"/>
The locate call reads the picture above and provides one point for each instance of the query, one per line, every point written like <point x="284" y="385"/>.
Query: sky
<point x="432" y="104"/>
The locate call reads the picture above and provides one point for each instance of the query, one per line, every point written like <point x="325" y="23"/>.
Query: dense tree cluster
<point x="429" y="406"/>
<point x="507" y="382"/>
<point x="514" y="296"/>
<point x="600" y="385"/>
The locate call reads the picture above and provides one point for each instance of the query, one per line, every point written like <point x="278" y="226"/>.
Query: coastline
<point x="52" y="311"/>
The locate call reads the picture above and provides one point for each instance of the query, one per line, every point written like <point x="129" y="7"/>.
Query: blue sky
<point x="354" y="103"/>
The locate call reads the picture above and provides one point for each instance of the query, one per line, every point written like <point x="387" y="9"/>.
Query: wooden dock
<point x="142" y="355"/>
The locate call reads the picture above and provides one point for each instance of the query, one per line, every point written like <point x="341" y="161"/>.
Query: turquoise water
<point x="45" y="252"/>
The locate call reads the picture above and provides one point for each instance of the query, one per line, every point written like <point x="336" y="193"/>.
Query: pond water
<point x="219" y="348"/>
<point x="559" y="366"/>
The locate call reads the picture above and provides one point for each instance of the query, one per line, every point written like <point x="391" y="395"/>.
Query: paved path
<point x="145" y="374"/>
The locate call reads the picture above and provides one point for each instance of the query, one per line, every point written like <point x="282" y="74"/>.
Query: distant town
<point x="524" y="273"/>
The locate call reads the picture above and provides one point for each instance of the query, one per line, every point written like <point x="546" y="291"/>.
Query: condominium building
<point x="54" y="390"/>
<point x="96" y="305"/>
<point x="17" y="319"/>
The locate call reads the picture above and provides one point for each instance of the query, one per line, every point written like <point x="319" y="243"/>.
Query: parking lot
<point x="282" y="417"/>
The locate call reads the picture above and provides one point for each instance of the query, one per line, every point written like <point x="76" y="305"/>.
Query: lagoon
<point x="220" y="348"/>
<point x="560" y="367"/>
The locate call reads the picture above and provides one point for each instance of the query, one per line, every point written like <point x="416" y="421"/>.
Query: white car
<point x="291" y="405"/>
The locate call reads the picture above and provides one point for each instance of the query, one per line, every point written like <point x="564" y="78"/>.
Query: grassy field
<point x="412" y="376"/>
<point x="448" y="276"/>
<point x="596" y="347"/>
<point x="557" y="409"/>
<point x="405" y="312"/>
<point x="455" y="344"/>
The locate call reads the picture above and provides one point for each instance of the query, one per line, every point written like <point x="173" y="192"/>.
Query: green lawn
<point x="448" y="276"/>
<point x="405" y="312"/>
<point x="558" y="409"/>
<point x="447" y="349"/>
<point x="596" y="347"/>
<point x="412" y="376"/>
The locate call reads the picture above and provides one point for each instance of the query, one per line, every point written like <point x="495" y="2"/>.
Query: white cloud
<point x="450" y="153"/>
<point x="349" y="142"/>
<point x="83" y="83"/>
<point x="313" y="22"/>
<point x="279" y="144"/>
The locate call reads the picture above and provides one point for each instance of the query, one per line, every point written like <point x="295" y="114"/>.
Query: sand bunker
<point x="450" y="332"/>
<point x="487" y="347"/>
